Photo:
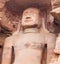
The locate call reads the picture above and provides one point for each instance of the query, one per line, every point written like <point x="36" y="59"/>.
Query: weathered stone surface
<point x="56" y="13"/>
<point x="50" y="23"/>
<point x="56" y="9"/>
<point x="7" y="22"/>
<point x="28" y="3"/>
<point x="55" y="3"/>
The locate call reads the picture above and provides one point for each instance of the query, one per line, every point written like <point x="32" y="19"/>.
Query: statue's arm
<point x="57" y="46"/>
<point x="7" y="51"/>
<point x="51" y="40"/>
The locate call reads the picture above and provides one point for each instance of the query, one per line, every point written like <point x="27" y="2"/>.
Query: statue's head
<point x="31" y="17"/>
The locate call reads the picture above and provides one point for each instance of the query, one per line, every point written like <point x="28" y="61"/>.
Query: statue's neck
<point x="35" y="30"/>
<point x="31" y="30"/>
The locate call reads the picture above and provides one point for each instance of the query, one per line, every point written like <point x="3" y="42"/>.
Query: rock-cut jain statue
<point x="29" y="45"/>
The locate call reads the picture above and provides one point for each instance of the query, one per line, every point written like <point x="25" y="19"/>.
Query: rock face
<point x="7" y="20"/>
<point x="56" y="13"/>
<point x="56" y="9"/>
<point x="55" y="3"/>
<point x="10" y="16"/>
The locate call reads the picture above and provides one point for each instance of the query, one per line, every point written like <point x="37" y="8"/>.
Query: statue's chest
<point x="29" y="40"/>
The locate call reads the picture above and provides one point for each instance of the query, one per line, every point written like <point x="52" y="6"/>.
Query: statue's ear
<point x="19" y="25"/>
<point x="18" y="28"/>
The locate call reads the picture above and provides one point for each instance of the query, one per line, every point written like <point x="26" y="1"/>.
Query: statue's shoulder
<point x="9" y="41"/>
<point x="17" y="36"/>
<point x="10" y="38"/>
<point x="50" y="37"/>
<point x="58" y="37"/>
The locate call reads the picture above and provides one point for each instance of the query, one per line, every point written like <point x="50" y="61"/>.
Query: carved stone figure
<point x="29" y="44"/>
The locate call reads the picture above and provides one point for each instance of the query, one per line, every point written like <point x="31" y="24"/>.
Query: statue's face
<point x="30" y="17"/>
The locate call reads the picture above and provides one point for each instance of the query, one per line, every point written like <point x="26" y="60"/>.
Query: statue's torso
<point x="29" y="38"/>
<point x="28" y="48"/>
